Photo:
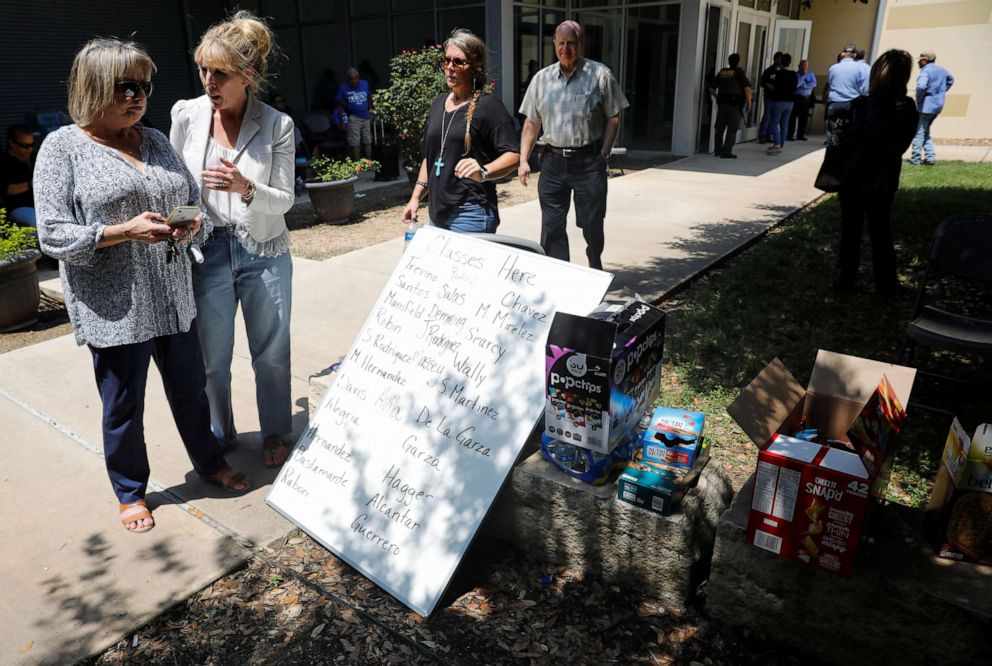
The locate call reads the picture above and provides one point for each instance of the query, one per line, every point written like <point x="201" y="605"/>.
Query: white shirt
<point x="220" y="205"/>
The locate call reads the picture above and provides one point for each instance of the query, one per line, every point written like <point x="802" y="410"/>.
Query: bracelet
<point x="422" y="183"/>
<point x="248" y="196"/>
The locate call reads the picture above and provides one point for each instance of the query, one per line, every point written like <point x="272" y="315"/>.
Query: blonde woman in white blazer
<point x="241" y="151"/>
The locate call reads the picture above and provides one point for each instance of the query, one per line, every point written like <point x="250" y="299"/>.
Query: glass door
<point x="650" y="68"/>
<point x="793" y="37"/>
<point x="752" y="45"/>
<point x="714" y="58"/>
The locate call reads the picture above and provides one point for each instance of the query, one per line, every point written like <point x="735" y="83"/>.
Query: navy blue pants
<point x="121" y="375"/>
<point x="560" y="177"/>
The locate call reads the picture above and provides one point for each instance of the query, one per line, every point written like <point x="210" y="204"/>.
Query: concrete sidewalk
<point x="81" y="582"/>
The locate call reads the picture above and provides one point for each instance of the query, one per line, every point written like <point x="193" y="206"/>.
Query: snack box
<point x="811" y="501"/>
<point x="603" y="373"/>
<point x="584" y="464"/>
<point x="673" y="437"/>
<point x="960" y="510"/>
<point x="658" y="488"/>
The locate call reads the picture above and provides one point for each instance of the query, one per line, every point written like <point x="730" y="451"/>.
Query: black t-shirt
<point x="493" y="134"/>
<point x="14" y="172"/>
<point x="781" y="85"/>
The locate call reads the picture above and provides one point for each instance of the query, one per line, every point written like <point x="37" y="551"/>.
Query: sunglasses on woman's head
<point x="457" y="62"/>
<point x="130" y="89"/>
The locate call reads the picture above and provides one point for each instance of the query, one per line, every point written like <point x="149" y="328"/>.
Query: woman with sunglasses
<point x="241" y="152"/>
<point x="102" y="188"/>
<point x="469" y="142"/>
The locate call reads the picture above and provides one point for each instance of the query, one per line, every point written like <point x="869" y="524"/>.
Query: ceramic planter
<point x="334" y="201"/>
<point x="19" y="293"/>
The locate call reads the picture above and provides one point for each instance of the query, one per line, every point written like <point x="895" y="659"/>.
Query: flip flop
<point x="230" y="479"/>
<point x="135" y="513"/>
<point x="275" y="451"/>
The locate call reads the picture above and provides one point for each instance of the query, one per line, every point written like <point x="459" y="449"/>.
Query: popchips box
<point x="673" y="437"/>
<point x="811" y="500"/>
<point x="960" y="508"/>
<point x="603" y="373"/>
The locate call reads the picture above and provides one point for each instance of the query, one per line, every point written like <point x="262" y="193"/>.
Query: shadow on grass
<point x="775" y="300"/>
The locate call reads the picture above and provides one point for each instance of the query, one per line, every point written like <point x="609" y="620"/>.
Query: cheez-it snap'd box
<point x="811" y="499"/>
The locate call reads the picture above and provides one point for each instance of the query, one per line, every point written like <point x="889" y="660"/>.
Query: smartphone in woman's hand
<point x="182" y="216"/>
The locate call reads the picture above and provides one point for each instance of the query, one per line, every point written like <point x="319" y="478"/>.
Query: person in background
<point x="577" y="102"/>
<point x="16" y="175"/>
<point x="932" y="84"/>
<point x="469" y="142"/>
<point x="802" y="103"/>
<point x="103" y="187"/>
<point x="878" y="132"/>
<point x="732" y="90"/>
<point x="247" y="149"/>
<point x="846" y="81"/>
<point x="764" y="129"/>
<point x="355" y="99"/>
<point x="781" y="87"/>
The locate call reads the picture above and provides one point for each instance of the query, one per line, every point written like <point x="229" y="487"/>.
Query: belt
<point x="587" y="149"/>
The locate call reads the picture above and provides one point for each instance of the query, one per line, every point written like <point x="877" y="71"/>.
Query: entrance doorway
<point x="752" y="44"/>
<point x="714" y="58"/>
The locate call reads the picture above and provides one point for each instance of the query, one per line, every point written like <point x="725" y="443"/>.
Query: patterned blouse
<point x="125" y="293"/>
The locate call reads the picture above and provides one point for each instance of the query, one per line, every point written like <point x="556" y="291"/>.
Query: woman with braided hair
<point x="469" y="142"/>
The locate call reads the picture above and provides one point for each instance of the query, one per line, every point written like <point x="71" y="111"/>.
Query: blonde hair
<point x="241" y="44"/>
<point x="475" y="52"/>
<point x="97" y="68"/>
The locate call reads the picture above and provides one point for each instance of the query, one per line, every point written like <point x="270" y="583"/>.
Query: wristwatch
<point x="483" y="172"/>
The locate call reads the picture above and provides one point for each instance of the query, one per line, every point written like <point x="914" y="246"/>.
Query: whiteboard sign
<point x="430" y="409"/>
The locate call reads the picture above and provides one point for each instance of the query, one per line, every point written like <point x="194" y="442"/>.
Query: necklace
<point x="439" y="162"/>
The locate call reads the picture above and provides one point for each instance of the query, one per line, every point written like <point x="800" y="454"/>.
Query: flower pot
<point x="19" y="293"/>
<point x="334" y="201"/>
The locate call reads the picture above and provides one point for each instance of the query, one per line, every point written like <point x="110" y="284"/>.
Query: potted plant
<point x="416" y="80"/>
<point x="19" y="293"/>
<point x="332" y="188"/>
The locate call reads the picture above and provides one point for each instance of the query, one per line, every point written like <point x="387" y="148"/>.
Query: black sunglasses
<point x="130" y="89"/>
<point x="23" y="145"/>
<point x="457" y="62"/>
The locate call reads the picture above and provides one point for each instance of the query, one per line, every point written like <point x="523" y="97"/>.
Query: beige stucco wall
<point x="959" y="31"/>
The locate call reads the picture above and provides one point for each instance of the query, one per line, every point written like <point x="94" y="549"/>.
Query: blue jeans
<point x="584" y="175"/>
<point x="229" y="275"/>
<point x="23" y="216"/>
<point x="922" y="141"/>
<point x="778" y="120"/>
<point x="121" y="376"/>
<point x="471" y="219"/>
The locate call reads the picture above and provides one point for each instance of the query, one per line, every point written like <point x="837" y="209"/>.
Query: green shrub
<point x="15" y="240"/>
<point x="417" y="79"/>
<point x="326" y="170"/>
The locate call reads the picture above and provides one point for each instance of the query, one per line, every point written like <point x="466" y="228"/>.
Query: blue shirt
<point x="931" y="85"/>
<point x="846" y="80"/>
<point x="356" y="99"/>
<point x="805" y="83"/>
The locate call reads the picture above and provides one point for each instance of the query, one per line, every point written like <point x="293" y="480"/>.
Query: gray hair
<point x="97" y="68"/>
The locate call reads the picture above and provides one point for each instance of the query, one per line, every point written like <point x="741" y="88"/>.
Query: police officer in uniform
<point x="732" y="90"/>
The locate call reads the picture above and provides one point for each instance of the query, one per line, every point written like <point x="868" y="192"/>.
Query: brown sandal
<point x="230" y="479"/>
<point x="135" y="513"/>
<point x="275" y="451"/>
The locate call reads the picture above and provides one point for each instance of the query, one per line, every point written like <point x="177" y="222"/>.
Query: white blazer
<point x="265" y="153"/>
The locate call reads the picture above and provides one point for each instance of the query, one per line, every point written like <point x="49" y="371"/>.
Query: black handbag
<point x="832" y="171"/>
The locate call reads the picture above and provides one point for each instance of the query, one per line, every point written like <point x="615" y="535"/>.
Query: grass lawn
<point x="776" y="300"/>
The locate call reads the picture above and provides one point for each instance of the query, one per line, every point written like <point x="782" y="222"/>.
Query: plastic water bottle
<point x="411" y="229"/>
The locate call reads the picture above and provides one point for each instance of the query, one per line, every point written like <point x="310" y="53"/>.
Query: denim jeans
<point x="922" y="143"/>
<point x="560" y="177"/>
<point x="778" y="120"/>
<point x="471" y="218"/>
<point x="833" y="110"/>
<point x="121" y="377"/>
<point x="23" y="216"/>
<point x="229" y="275"/>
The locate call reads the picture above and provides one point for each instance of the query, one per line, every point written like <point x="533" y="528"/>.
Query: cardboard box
<point x="810" y="500"/>
<point x="673" y="437"/>
<point x="960" y="510"/>
<point x="603" y="373"/>
<point x="658" y="488"/>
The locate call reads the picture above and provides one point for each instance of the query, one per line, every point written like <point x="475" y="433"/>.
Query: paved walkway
<point x="74" y="581"/>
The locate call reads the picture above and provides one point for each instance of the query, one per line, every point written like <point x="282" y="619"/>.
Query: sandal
<point x="275" y="451"/>
<point x="230" y="479"/>
<point x="135" y="513"/>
